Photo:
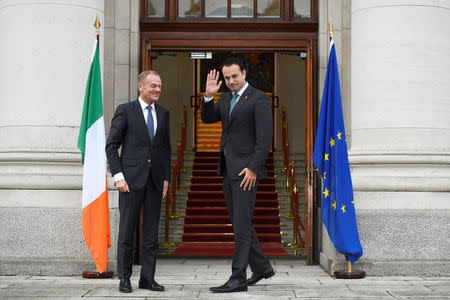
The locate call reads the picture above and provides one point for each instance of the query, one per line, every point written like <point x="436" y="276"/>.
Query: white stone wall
<point x="45" y="55"/>
<point x="399" y="138"/>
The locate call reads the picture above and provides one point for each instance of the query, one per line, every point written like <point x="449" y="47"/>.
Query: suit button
<point x="148" y="160"/>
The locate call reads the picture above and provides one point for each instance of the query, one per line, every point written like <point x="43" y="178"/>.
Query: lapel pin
<point x="245" y="97"/>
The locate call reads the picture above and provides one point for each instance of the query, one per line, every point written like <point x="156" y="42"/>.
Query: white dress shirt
<point x="119" y="176"/>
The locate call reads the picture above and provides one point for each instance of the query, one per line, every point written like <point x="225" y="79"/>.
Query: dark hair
<point x="234" y="60"/>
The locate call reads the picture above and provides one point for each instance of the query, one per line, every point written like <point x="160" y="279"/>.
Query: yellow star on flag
<point x="353" y="202"/>
<point x="326" y="156"/>
<point x="339" y="135"/>
<point x="326" y="193"/>
<point x="331" y="142"/>
<point x="343" y="209"/>
<point x="324" y="175"/>
<point x="334" y="205"/>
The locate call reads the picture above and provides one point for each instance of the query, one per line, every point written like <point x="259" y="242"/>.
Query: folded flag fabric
<point x="91" y="142"/>
<point x="331" y="159"/>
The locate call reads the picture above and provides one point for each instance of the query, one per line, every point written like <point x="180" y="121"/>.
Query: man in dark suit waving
<point x="247" y="131"/>
<point x="141" y="174"/>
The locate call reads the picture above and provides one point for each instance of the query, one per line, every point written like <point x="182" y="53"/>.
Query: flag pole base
<point x="354" y="274"/>
<point x="97" y="275"/>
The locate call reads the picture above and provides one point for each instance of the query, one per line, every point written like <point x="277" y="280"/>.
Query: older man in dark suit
<point x="141" y="174"/>
<point x="247" y="131"/>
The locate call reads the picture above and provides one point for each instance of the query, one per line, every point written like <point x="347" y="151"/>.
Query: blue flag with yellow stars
<point x="331" y="158"/>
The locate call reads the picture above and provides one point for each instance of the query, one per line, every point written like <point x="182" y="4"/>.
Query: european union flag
<point x="331" y="158"/>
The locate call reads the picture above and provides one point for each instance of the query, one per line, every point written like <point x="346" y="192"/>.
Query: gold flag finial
<point x="330" y="28"/>
<point x="97" y="24"/>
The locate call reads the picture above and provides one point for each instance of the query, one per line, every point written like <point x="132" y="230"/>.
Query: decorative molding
<point x="394" y="157"/>
<point x="18" y="156"/>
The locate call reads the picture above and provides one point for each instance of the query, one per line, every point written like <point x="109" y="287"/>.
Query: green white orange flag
<point x="91" y="141"/>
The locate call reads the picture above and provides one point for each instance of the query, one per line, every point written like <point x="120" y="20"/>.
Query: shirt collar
<point x="241" y="91"/>
<point x="144" y="105"/>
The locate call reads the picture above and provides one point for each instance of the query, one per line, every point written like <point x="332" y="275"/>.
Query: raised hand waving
<point x="212" y="86"/>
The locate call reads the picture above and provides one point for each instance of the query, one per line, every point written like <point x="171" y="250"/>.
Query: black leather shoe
<point x="257" y="277"/>
<point x="231" y="286"/>
<point x="125" y="285"/>
<point x="153" y="285"/>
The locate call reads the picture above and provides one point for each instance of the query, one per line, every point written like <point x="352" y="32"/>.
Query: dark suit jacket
<point x="246" y="135"/>
<point x="129" y="130"/>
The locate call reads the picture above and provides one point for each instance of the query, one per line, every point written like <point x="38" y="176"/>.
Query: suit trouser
<point x="129" y="207"/>
<point x="240" y="206"/>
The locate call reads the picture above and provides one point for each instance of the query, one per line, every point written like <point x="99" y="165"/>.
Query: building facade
<point x="394" y="67"/>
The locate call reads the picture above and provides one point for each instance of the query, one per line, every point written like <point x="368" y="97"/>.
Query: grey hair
<point x="144" y="74"/>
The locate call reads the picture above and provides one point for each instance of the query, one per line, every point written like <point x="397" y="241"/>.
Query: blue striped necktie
<point x="233" y="103"/>
<point x="150" y="125"/>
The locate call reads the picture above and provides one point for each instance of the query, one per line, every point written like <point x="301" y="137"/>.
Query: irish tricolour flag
<point x="91" y="141"/>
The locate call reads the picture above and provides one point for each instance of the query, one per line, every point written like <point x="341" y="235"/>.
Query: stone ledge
<point x="422" y="268"/>
<point x="51" y="267"/>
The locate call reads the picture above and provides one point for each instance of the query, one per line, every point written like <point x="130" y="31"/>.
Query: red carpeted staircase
<point x="207" y="228"/>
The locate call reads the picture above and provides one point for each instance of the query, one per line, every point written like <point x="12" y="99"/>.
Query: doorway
<point x="289" y="76"/>
<point x="278" y="74"/>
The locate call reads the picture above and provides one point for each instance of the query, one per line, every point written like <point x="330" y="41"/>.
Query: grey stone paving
<point x="191" y="278"/>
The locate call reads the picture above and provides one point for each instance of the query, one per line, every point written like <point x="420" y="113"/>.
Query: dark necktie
<point x="233" y="103"/>
<point x="150" y="125"/>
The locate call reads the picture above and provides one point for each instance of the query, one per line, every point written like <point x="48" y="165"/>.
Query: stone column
<point x="400" y="134"/>
<point x="45" y="57"/>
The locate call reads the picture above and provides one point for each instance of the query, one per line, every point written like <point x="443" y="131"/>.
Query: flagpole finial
<point x="330" y="28"/>
<point x="97" y="25"/>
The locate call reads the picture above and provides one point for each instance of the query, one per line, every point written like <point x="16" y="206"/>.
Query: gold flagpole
<point x="97" y="26"/>
<point x="330" y="29"/>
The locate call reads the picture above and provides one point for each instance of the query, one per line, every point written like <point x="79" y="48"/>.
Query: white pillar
<point x="45" y="54"/>
<point x="45" y="57"/>
<point x="400" y="133"/>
